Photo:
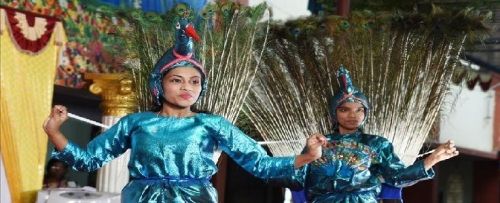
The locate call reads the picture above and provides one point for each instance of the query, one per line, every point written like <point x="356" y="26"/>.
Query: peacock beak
<point x="190" y="31"/>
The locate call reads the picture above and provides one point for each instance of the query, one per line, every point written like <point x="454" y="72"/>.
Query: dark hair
<point x="48" y="176"/>
<point x="53" y="162"/>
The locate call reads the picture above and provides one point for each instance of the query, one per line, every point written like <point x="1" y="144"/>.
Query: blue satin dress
<point x="171" y="158"/>
<point x="352" y="169"/>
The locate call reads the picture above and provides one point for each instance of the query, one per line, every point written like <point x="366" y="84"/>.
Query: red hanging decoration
<point x="31" y="32"/>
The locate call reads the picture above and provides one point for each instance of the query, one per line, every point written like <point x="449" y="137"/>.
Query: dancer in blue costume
<point x="354" y="164"/>
<point x="172" y="148"/>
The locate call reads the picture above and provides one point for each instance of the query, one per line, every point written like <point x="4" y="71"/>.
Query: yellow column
<point x="118" y="100"/>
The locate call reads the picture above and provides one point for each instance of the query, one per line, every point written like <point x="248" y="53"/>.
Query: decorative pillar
<point x="118" y="100"/>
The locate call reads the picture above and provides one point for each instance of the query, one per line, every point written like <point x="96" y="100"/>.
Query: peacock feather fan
<point x="402" y="61"/>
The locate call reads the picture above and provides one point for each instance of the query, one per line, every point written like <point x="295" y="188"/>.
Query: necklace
<point x="189" y="114"/>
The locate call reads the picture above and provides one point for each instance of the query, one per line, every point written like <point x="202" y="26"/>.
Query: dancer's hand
<point x="314" y="145"/>
<point x="53" y="123"/>
<point x="443" y="152"/>
<point x="313" y="150"/>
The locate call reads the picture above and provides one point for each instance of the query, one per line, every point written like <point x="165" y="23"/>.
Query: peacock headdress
<point x="180" y="55"/>
<point x="347" y="93"/>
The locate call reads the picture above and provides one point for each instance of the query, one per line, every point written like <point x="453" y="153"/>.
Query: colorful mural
<point x="91" y="28"/>
<point x="92" y="45"/>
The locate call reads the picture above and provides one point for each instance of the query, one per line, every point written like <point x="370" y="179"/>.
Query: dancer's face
<point x="182" y="87"/>
<point x="350" y="116"/>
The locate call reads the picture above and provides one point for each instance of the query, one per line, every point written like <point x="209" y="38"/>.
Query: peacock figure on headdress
<point x="183" y="47"/>
<point x="347" y="91"/>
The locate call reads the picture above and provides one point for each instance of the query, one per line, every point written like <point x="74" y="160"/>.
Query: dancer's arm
<point x="312" y="151"/>
<point x="52" y="126"/>
<point x="393" y="171"/>
<point x="443" y="152"/>
<point x="102" y="149"/>
<point x="253" y="158"/>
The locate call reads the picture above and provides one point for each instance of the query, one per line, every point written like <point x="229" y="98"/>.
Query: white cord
<point x="87" y="121"/>
<point x="260" y="143"/>
<point x="302" y="140"/>
<point x="423" y="154"/>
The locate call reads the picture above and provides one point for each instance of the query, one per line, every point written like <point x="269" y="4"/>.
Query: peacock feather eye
<point x="226" y="8"/>
<point x="295" y="32"/>
<point x="209" y="11"/>
<point x="322" y="27"/>
<point x="181" y="9"/>
<point x="344" y="24"/>
<point x="368" y="25"/>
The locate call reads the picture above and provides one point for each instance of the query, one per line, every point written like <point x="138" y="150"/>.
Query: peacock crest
<point x="184" y="36"/>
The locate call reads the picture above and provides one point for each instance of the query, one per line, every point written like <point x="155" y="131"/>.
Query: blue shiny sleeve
<point x="249" y="154"/>
<point x="296" y="182"/>
<point x="394" y="172"/>
<point x="99" y="151"/>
